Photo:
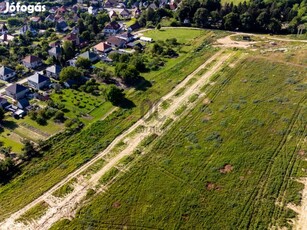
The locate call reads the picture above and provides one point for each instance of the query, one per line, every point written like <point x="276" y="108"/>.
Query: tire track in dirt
<point x="66" y="207"/>
<point x="286" y="180"/>
<point x="255" y="197"/>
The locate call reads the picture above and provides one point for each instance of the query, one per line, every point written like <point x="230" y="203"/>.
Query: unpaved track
<point x="65" y="207"/>
<point x="301" y="222"/>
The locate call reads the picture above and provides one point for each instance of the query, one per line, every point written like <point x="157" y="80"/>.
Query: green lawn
<point x="29" y="129"/>
<point x="67" y="152"/>
<point x="225" y="165"/>
<point x="77" y="103"/>
<point x="11" y="140"/>
<point x="182" y="35"/>
<point x="101" y="64"/>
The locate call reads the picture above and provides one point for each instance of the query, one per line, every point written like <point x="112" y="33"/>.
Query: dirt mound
<point x="116" y="204"/>
<point x="211" y="186"/>
<point x="226" y="169"/>
<point x="207" y="101"/>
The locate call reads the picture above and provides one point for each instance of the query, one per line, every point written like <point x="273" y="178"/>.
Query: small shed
<point x="146" y="39"/>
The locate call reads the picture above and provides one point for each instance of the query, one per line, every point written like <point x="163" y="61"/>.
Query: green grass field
<point x="226" y="165"/>
<point x="182" y="35"/>
<point x="77" y="103"/>
<point x="66" y="152"/>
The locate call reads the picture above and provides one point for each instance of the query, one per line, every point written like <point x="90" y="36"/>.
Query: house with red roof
<point x="32" y="61"/>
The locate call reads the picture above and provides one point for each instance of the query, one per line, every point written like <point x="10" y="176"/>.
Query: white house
<point x="6" y="73"/>
<point x="53" y="71"/>
<point x="112" y="28"/>
<point x="38" y="81"/>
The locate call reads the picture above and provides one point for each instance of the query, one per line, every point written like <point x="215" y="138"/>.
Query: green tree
<point x="201" y="17"/>
<point x="28" y="150"/>
<point x="231" y="21"/>
<point x="2" y="113"/>
<point x="83" y="63"/>
<point x="59" y="116"/>
<point x="114" y="94"/>
<point x="68" y="50"/>
<point x="128" y="73"/>
<point x="70" y="73"/>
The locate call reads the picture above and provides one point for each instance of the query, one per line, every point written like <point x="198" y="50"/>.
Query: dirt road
<point x="65" y="207"/>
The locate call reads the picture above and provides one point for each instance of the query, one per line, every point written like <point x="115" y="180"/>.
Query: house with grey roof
<point x="53" y="71"/>
<point x="3" y="29"/>
<point x="89" y="55"/>
<point x="125" y="14"/>
<point x="61" y="26"/>
<point x="3" y="103"/>
<point x="16" y="91"/>
<point x="38" y="81"/>
<point x="55" y="52"/>
<point x="26" y="28"/>
<point x="23" y="103"/>
<point x="6" y="73"/>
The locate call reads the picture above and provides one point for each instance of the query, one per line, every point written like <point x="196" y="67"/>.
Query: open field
<point x="66" y="152"/>
<point x="229" y="163"/>
<point x="117" y="152"/>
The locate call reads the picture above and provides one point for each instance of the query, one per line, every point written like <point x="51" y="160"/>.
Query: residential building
<point x="3" y="103"/>
<point x="113" y="14"/>
<point x="102" y="47"/>
<point x="134" y="26"/>
<point x="32" y="62"/>
<point x="3" y="29"/>
<point x="6" y="73"/>
<point x="53" y="71"/>
<point x="127" y="36"/>
<point x="38" y="81"/>
<point x="23" y="103"/>
<point x="50" y="18"/>
<point x="110" y="3"/>
<point x="6" y="38"/>
<point x="89" y="55"/>
<point x="74" y="38"/>
<point x="55" y="52"/>
<point x="26" y="28"/>
<point x="112" y="28"/>
<point x="125" y="14"/>
<point x="61" y="26"/>
<point x="16" y="91"/>
<point x="116" y="42"/>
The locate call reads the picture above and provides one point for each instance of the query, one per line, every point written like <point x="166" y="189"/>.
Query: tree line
<point x="273" y="16"/>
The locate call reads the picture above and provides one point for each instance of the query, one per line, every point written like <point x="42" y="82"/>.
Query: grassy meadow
<point x="229" y="164"/>
<point x="66" y="152"/>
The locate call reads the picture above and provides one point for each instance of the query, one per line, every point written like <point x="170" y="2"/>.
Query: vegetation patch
<point x="108" y="175"/>
<point x="64" y="190"/>
<point x="34" y="213"/>
<point x="183" y="168"/>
